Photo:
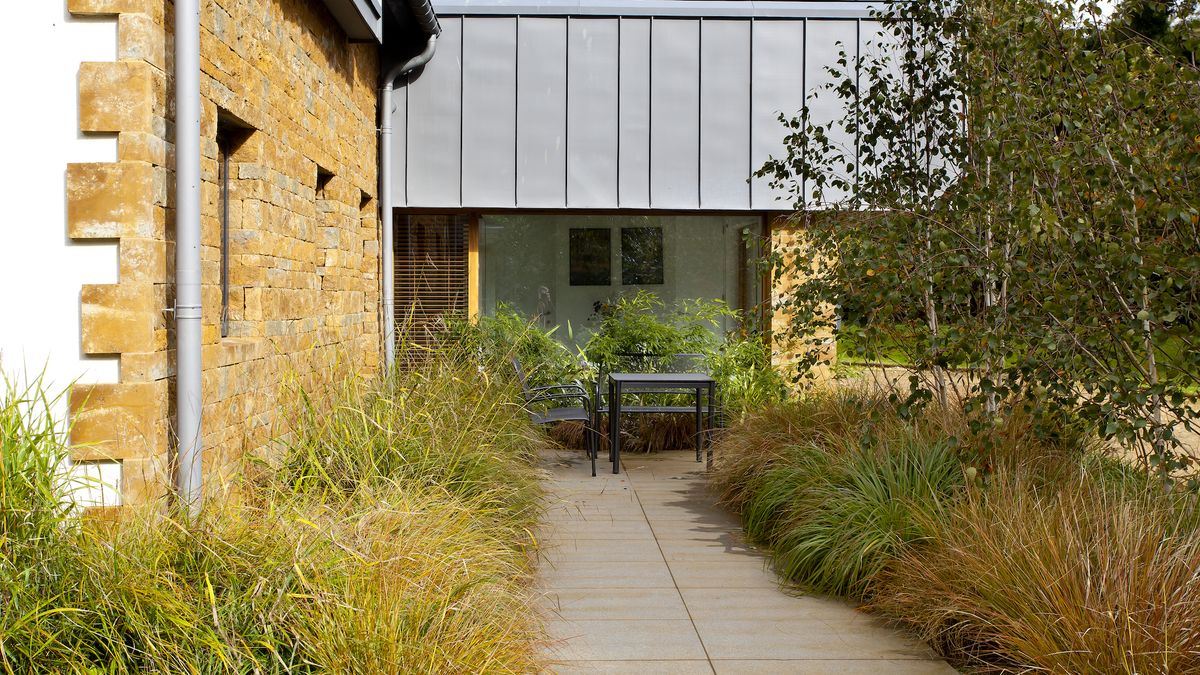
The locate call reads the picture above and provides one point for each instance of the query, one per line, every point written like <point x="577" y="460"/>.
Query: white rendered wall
<point x="41" y="270"/>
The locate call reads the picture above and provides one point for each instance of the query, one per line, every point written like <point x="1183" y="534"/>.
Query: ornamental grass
<point x="1011" y="547"/>
<point x="1078" y="578"/>
<point x="389" y="534"/>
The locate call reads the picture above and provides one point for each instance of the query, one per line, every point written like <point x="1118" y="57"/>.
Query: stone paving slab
<point x="688" y="667"/>
<point x="644" y="573"/>
<point x="613" y="575"/>
<point x="617" y="604"/>
<point x="825" y="667"/>
<point x="600" y="550"/>
<point x="648" y="639"/>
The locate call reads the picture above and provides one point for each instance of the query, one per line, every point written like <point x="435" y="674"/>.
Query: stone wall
<point x="785" y="353"/>
<point x="300" y="102"/>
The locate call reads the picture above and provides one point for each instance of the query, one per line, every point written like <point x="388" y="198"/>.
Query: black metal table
<point x="667" y="383"/>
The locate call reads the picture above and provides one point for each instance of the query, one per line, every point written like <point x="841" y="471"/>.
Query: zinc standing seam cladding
<point x="540" y="111"/>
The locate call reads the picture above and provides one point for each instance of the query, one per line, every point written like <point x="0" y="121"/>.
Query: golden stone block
<point x="118" y="318"/>
<point x="110" y="200"/>
<point x="117" y="421"/>
<point x="109" y="7"/>
<point x="116" y="96"/>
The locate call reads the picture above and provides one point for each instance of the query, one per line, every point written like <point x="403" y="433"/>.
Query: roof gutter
<point x="189" y="480"/>
<point x="427" y="20"/>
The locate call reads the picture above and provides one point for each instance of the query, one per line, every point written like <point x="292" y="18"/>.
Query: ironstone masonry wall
<point x="786" y="351"/>
<point x="303" y="261"/>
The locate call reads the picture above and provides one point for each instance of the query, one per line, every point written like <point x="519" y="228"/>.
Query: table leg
<point x="593" y="431"/>
<point x="611" y="390"/>
<point x="712" y="418"/>
<point x="699" y="427"/>
<point x="614" y="407"/>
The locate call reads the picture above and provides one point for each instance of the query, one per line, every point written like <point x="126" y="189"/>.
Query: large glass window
<point x="560" y="268"/>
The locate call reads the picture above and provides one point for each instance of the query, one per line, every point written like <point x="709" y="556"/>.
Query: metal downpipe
<point x="189" y="479"/>
<point x="385" y="194"/>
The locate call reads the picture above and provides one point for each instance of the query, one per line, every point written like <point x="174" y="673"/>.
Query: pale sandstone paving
<point x="643" y="573"/>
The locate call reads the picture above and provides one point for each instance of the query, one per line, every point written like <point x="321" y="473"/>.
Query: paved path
<point x="641" y="573"/>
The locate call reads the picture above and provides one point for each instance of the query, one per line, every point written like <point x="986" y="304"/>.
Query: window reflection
<point x="552" y="267"/>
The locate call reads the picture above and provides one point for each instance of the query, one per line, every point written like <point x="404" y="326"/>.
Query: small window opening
<point x="324" y="176"/>
<point x="231" y="134"/>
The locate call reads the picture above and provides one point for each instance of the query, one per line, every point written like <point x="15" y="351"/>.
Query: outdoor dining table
<point x="697" y="384"/>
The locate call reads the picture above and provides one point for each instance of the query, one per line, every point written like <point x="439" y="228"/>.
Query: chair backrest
<point x="516" y="363"/>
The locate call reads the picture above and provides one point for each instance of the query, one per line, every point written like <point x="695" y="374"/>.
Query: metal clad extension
<point x="660" y="110"/>
<point x="592" y="105"/>
<point x="777" y="87"/>
<point x="489" y="103"/>
<point x="674" y="118"/>
<point x="725" y="114"/>
<point x="433" y="127"/>
<point x="634" y="132"/>
<point x="398" y="144"/>
<point x="541" y="112"/>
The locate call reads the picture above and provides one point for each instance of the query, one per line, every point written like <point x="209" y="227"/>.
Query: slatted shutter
<point x="431" y="274"/>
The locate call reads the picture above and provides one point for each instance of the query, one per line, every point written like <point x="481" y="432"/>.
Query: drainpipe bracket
<point x="185" y="312"/>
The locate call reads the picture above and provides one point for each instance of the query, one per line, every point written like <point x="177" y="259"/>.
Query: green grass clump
<point x="388" y="536"/>
<point x="32" y="499"/>
<point x="852" y="515"/>
<point x="838" y="501"/>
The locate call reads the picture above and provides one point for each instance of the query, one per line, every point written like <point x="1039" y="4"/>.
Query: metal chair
<point x="552" y="414"/>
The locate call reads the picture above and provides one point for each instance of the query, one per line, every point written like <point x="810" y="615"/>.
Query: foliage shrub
<point x="491" y="341"/>
<point x="640" y="332"/>
<point x="746" y="378"/>
<point x="388" y="536"/>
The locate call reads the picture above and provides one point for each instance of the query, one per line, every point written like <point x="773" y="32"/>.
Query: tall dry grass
<point x="761" y="440"/>
<point x="444" y="422"/>
<point x="1081" y="578"/>
<point x="388" y="536"/>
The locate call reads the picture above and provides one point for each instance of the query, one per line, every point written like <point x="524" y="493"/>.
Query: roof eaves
<point x="848" y="9"/>
<point x="361" y="19"/>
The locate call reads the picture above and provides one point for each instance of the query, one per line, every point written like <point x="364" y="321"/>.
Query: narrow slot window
<point x="234" y="149"/>
<point x="224" y="150"/>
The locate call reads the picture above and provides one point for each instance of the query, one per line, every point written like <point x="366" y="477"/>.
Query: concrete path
<point x="641" y="573"/>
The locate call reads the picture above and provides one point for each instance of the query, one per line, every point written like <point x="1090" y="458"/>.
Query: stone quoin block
<point x="116" y="96"/>
<point x="110" y="7"/>
<point x="117" y="421"/>
<point x="117" y="318"/>
<point x="110" y="200"/>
